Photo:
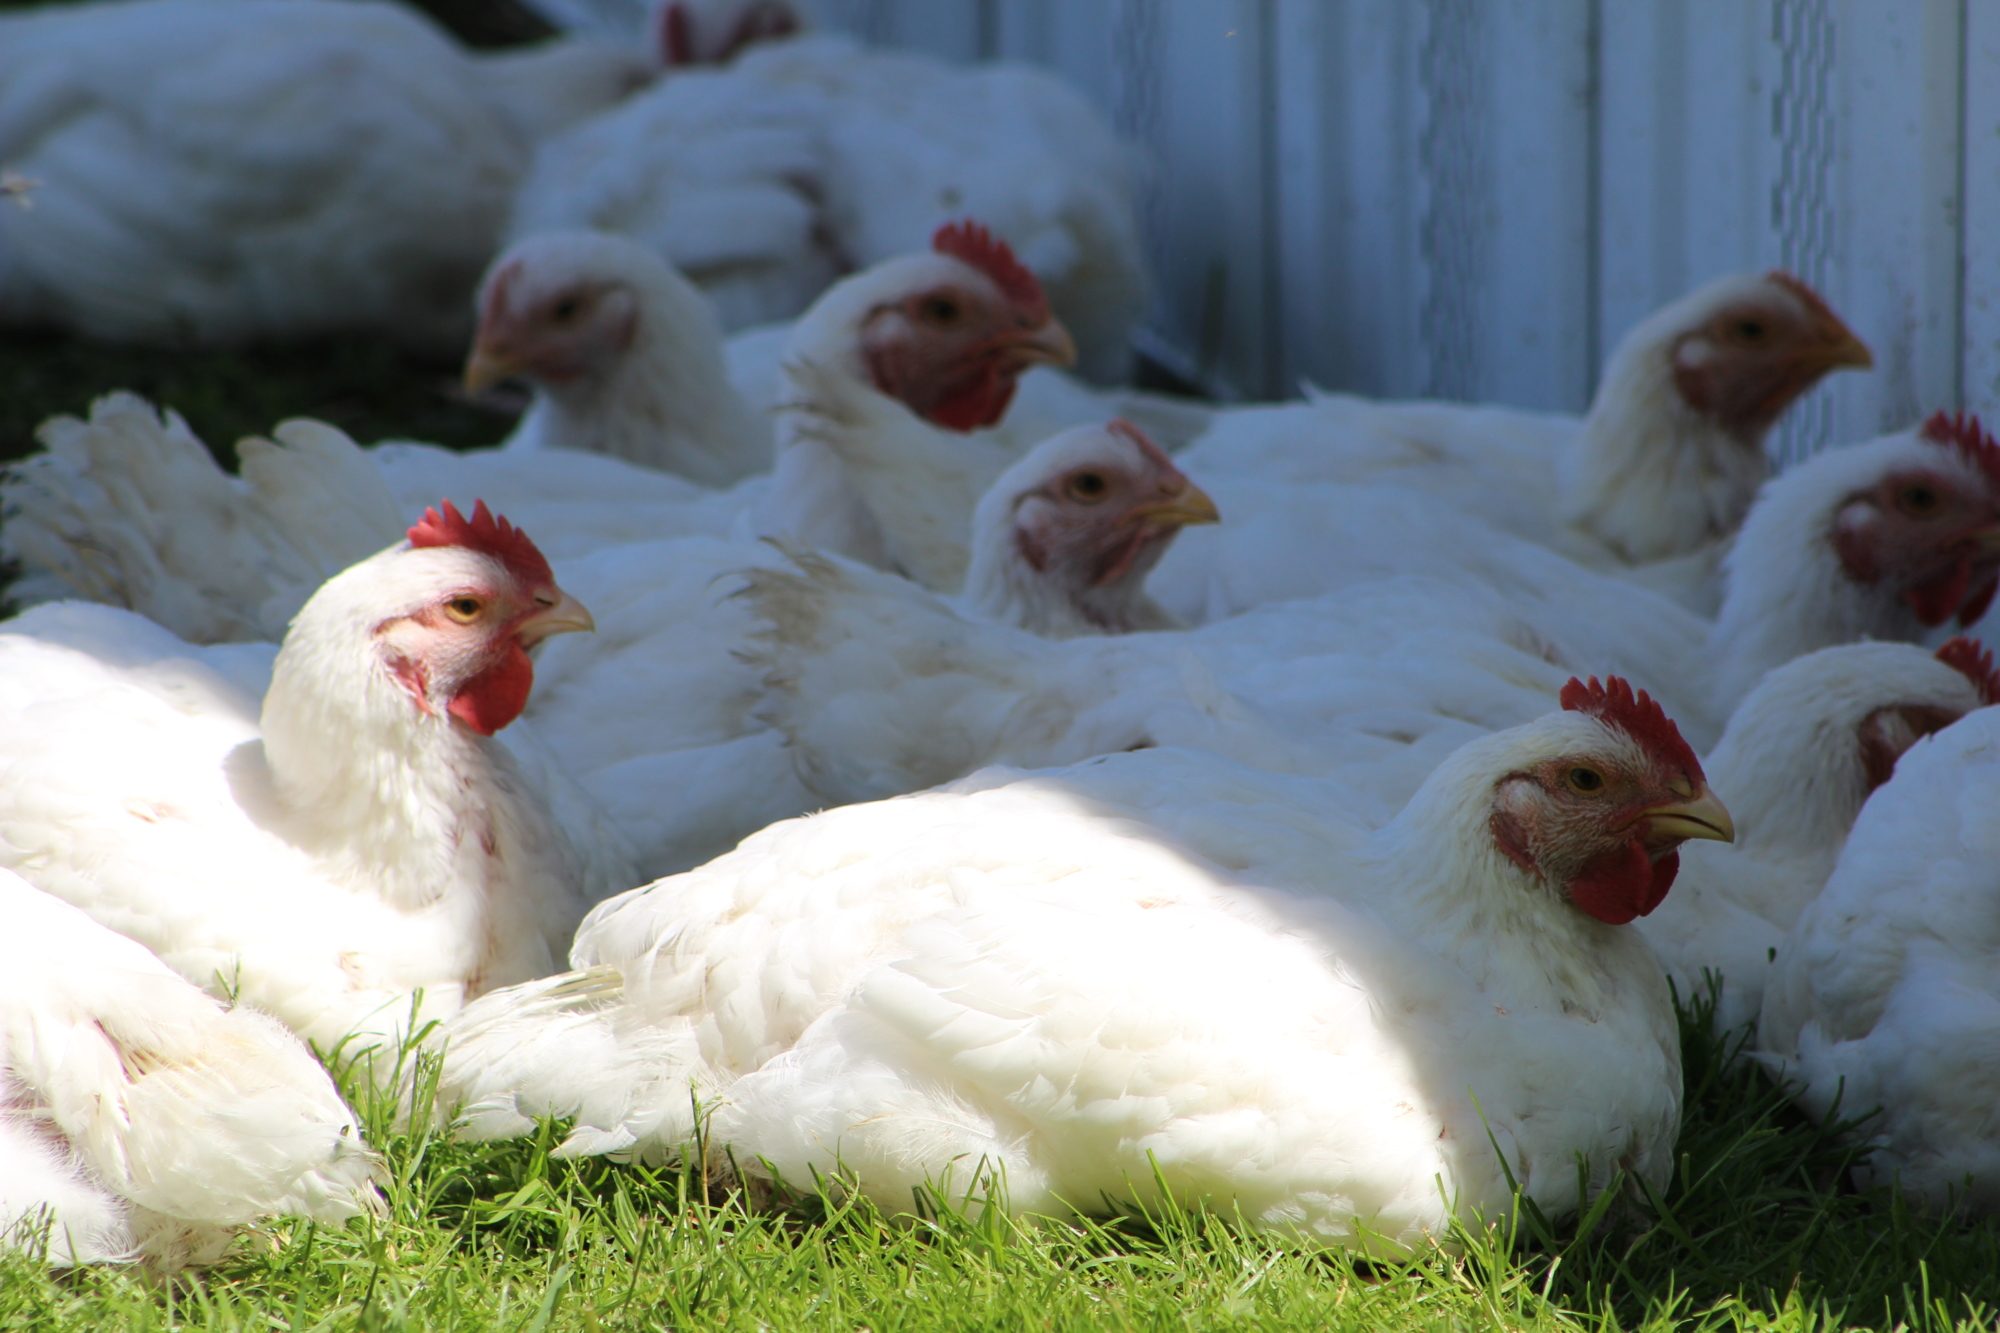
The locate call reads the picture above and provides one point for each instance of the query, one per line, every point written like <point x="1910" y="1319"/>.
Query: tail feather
<point x="129" y="508"/>
<point x="569" y="1046"/>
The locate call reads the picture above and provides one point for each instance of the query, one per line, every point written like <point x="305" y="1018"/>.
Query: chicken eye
<point x="941" y="310"/>
<point x="566" y="309"/>
<point x="1585" y="780"/>
<point x="464" y="610"/>
<point x="1750" y="330"/>
<point x="1917" y="499"/>
<point x="1089" y="487"/>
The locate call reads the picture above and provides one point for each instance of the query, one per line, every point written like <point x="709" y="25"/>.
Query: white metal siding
<point x="1475" y="198"/>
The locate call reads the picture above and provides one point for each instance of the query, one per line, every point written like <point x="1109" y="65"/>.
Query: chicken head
<point x="1931" y="532"/>
<point x="1753" y="345"/>
<point x="949" y="334"/>
<point x="1600" y="815"/>
<point x="549" y="323"/>
<point x="481" y="596"/>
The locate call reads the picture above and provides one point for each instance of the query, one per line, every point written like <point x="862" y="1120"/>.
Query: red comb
<point x="1962" y="431"/>
<point x="486" y="533"/>
<point x="1125" y="430"/>
<point x="968" y="241"/>
<point x="1639" y="717"/>
<point x="1800" y="288"/>
<point x="1971" y="659"/>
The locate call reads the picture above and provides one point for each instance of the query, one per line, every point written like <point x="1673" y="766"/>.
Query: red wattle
<point x="496" y="696"/>
<point x="1934" y="602"/>
<point x="975" y="407"/>
<point x="1624" y="884"/>
<point x="1975" y="605"/>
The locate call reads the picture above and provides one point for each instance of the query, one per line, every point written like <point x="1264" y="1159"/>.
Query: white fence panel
<point x="1476" y="198"/>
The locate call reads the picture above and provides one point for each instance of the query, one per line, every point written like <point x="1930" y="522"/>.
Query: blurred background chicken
<point x="210" y="171"/>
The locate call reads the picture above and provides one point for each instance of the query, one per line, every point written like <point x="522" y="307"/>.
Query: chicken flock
<point x="978" y="780"/>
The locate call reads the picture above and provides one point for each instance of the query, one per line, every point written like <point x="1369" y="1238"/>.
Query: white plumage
<point x="129" y="508"/>
<point x="880" y="690"/>
<point x="1151" y="961"/>
<point x="804" y="159"/>
<point x="358" y="837"/>
<point x="139" y="1118"/>
<point x="1650" y="483"/>
<point x="226" y="171"/>
<point x="1801" y="754"/>
<point x="657" y="715"/>
<point x="1881" y="1002"/>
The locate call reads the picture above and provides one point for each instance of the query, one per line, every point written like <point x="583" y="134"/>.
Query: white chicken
<point x="1663" y="466"/>
<point x="1153" y="971"/>
<point x="659" y="703"/>
<point x="807" y="158"/>
<point x="1881" y="1002"/>
<point x="1799" y="757"/>
<point x="359" y="839"/>
<point x="129" y="508"/>
<point x="140" y="1120"/>
<point x="220" y="171"/>
<point x="881" y="690"/>
<point x="625" y="356"/>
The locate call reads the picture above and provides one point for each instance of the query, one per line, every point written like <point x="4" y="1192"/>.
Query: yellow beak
<point x="1702" y="817"/>
<point x="1192" y="505"/>
<point x="1047" y="344"/>
<point x="1844" y="350"/>
<point x="565" y="615"/>
<point x="486" y="368"/>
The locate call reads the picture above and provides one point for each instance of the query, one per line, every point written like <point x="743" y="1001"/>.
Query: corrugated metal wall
<point x="1474" y="198"/>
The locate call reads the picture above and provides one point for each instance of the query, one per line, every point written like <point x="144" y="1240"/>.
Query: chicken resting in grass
<point x="359" y="836"/>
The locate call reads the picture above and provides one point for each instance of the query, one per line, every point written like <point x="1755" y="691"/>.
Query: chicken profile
<point x="141" y="1120"/>
<point x="1651" y="481"/>
<point x="359" y="838"/>
<point x="1800" y="756"/>
<point x="1881" y="1005"/>
<point x="1154" y="971"/>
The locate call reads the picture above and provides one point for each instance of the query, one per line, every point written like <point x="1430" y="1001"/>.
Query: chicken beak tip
<point x="1703" y="817"/>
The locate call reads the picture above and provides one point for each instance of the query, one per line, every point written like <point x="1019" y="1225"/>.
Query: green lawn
<point x="1758" y="1231"/>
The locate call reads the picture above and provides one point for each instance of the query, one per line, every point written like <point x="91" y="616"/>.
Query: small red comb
<point x="968" y="241"/>
<point x="1973" y="660"/>
<point x="1638" y="716"/>
<point x="1800" y="288"/>
<point x="1962" y="431"/>
<point x="486" y="533"/>
<point x="1125" y="430"/>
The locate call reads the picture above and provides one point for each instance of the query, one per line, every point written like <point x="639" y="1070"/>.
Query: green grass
<point x="1756" y="1232"/>
<point x="363" y="385"/>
